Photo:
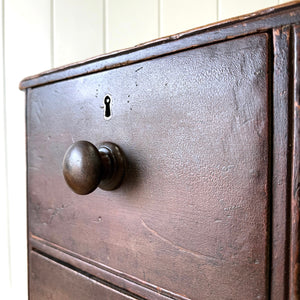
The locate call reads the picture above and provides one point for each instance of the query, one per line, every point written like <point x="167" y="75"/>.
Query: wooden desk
<point x="208" y="121"/>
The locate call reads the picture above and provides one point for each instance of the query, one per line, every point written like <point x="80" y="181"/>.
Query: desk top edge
<point x="288" y="13"/>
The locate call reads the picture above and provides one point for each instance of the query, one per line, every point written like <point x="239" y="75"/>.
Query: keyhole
<point x="107" y="108"/>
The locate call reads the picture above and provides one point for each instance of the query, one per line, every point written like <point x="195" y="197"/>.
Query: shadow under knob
<point x="85" y="167"/>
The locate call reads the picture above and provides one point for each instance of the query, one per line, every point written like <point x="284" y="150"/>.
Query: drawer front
<point x="192" y="213"/>
<point x="51" y="280"/>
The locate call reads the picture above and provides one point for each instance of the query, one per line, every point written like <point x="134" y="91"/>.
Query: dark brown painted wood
<point x="263" y="20"/>
<point x="295" y="188"/>
<point x="209" y="209"/>
<point x="280" y="184"/>
<point x="129" y="283"/>
<point x="191" y="216"/>
<point x="51" y="280"/>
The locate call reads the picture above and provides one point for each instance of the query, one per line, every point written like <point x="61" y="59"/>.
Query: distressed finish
<point x="51" y="280"/>
<point x="295" y="170"/>
<point x="209" y="207"/>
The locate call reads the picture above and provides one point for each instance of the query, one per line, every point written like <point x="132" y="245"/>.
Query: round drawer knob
<point x="85" y="167"/>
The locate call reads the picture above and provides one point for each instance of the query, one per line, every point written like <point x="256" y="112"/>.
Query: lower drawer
<point x="51" y="280"/>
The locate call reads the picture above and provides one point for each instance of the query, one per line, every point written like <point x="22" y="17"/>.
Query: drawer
<point x="191" y="216"/>
<point x="52" y="280"/>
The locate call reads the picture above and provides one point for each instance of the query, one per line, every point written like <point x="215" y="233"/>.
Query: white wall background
<point x="36" y="35"/>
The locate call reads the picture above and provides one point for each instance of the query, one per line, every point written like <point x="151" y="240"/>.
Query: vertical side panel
<point x="295" y="190"/>
<point x="233" y="8"/>
<point x="177" y="16"/>
<point x="27" y="51"/>
<point x="4" y="249"/>
<point x="280" y="189"/>
<point x="130" y="22"/>
<point x="77" y="29"/>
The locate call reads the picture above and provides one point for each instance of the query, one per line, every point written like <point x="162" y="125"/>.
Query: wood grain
<point x="281" y="163"/>
<point x="52" y="280"/>
<point x="20" y="34"/>
<point x="295" y="170"/>
<point x="263" y="20"/>
<point x="193" y="210"/>
<point x="208" y="120"/>
<point x="122" y="280"/>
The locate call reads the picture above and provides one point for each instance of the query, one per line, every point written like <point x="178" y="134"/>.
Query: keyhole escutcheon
<point x="107" y="107"/>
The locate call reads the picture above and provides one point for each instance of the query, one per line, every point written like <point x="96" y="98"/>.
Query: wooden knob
<point x="85" y="167"/>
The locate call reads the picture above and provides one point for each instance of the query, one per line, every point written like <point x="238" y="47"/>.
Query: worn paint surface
<point x="193" y="208"/>
<point x="210" y="205"/>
